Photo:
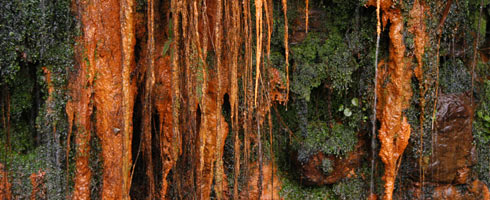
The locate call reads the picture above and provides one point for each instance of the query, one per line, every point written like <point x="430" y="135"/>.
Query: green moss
<point x="337" y="140"/>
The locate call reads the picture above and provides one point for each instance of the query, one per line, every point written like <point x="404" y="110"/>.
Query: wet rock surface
<point x="271" y="185"/>
<point x="454" y="152"/>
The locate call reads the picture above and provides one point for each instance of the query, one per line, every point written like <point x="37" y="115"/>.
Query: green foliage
<point x="482" y="118"/>
<point x="318" y="60"/>
<point x="481" y="133"/>
<point x="451" y="71"/>
<point x="350" y="189"/>
<point x="292" y="190"/>
<point x="337" y="140"/>
<point x="21" y="166"/>
<point x="34" y="31"/>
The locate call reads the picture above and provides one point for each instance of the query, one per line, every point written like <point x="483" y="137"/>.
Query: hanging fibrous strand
<point x="373" y="133"/>
<point x="269" y="22"/>
<point x="286" y="45"/>
<point x="258" y="51"/>
<point x="306" y="15"/>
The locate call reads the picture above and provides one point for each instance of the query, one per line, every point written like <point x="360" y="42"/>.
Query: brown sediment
<point x="5" y="185"/>
<point x="418" y="28"/>
<point x="37" y="180"/>
<point x="394" y="98"/>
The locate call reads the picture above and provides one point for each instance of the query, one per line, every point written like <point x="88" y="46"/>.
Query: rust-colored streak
<point x="176" y="8"/>
<point x="5" y="185"/>
<point x="37" y="185"/>
<point x="218" y="34"/>
<point x="47" y="75"/>
<point x="271" y="186"/>
<point x="163" y="105"/>
<point x="208" y="132"/>
<point x="286" y="45"/>
<point x="79" y="109"/>
<point x="306" y="15"/>
<point x="394" y="98"/>
<point x="418" y="28"/>
<point x="258" y="52"/>
<point x="113" y="62"/>
<point x="235" y="33"/>
<point x="128" y="89"/>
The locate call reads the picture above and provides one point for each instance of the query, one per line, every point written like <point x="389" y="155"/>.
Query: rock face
<point x="476" y="190"/>
<point x="313" y="174"/>
<point x="454" y="152"/>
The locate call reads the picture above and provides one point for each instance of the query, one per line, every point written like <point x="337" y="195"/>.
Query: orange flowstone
<point x="394" y="97"/>
<point x="270" y="189"/>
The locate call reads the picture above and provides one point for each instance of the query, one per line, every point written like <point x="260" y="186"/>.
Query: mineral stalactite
<point x="184" y="90"/>
<point x="394" y="98"/>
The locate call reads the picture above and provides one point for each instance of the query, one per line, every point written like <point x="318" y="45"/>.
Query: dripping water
<point x="373" y="134"/>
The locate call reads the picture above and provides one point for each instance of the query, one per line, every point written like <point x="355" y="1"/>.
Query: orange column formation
<point x="106" y="60"/>
<point x="394" y="98"/>
<point x="80" y="108"/>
